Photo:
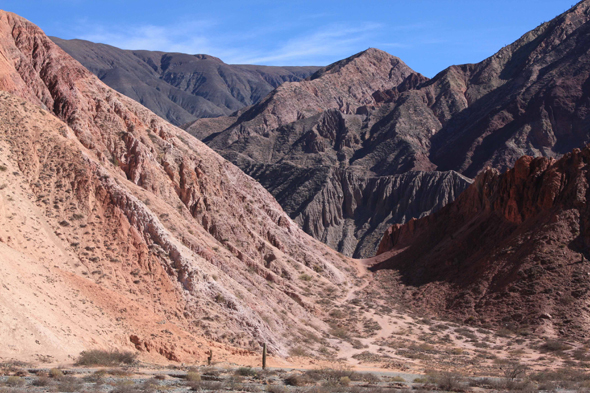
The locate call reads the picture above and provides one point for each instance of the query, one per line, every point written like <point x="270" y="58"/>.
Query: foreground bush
<point x="97" y="357"/>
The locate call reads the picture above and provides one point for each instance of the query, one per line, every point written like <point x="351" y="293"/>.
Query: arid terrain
<point x="134" y="257"/>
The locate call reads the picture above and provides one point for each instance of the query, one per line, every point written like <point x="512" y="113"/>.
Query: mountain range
<point x="121" y="230"/>
<point x="179" y="87"/>
<point x="360" y="123"/>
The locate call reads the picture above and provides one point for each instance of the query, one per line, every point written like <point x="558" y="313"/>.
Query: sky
<point x="429" y="35"/>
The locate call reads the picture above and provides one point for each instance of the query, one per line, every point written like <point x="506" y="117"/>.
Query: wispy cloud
<point x="332" y="40"/>
<point x="187" y="37"/>
<point x="205" y="36"/>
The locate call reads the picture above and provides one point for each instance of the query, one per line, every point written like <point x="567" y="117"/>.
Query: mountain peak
<point x="360" y="61"/>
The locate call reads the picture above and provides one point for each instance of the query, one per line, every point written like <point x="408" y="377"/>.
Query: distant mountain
<point x="372" y="116"/>
<point x="179" y="87"/>
<point x="310" y="143"/>
<point x="512" y="251"/>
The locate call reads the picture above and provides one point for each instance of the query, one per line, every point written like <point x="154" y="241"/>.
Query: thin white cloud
<point x="185" y="37"/>
<point x="333" y="40"/>
<point x="313" y="46"/>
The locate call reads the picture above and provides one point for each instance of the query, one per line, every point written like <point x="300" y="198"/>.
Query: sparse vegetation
<point x="105" y="358"/>
<point x="193" y="376"/>
<point x="56" y="373"/>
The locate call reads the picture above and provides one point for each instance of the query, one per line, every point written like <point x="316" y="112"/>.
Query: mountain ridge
<point x="177" y="86"/>
<point x="132" y="205"/>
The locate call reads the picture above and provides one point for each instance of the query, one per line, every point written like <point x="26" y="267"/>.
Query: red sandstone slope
<point x="170" y="244"/>
<point x="512" y="250"/>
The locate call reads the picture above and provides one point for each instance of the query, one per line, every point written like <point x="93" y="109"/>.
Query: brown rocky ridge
<point x="305" y="142"/>
<point x="372" y="116"/>
<point x="180" y="87"/>
<point x="511" y="251"/>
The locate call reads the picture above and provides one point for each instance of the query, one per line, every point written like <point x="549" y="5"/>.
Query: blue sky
<point x="429" y="35"/>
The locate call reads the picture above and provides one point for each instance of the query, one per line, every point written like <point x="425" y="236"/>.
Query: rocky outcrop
<point x="170" y="242"/>
<point x="180" y="87"/>
<point x="510" y="250"/>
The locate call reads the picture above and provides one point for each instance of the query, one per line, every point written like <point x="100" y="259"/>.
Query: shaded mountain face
<point x="179" y="87"/>
<point x="310" y="144"/>
<point x="373" y="116"/>
<point x="132" y="234"/>
<point x="529" y="269"/>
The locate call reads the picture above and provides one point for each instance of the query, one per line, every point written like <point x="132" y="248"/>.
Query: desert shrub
<point x="515" y="370"/>
<point x="210" y="371"/>
<point x="298" y="351"/>
<point x="297" y="380"/>
<point x="69" y="384"/>
<point x="561" y="374"/>
<point x="365" y="377"/>
<point x="340" y="333"/>
<point x="246" y="372"/>
<point x="149" y="385"/>
<point x="56" y="373"/>
<point x="98" y="357"/>
<point x="339" y="314"/>
<point x="335" y="377"/>
<point x="193" y="376"/>
<point x="3" y="168"/>
<point x="554" y="346"/>
<point x="15" y="381"/>
<point x="446" y="381"/>
<point x="207" y="385"/>
<point x="41" y="381"/>
<point x="276" y="389"/>
<point x="116" y="372"/>
<point x="581" y="355"/>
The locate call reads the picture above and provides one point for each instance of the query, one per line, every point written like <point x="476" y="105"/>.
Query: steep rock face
<point x="512" y="250"/>
<point x="309" y="144"/>
<point x="350" y="211"/>
<point x="133" y="206"/>
<point x="529" y="98"/>
<point x="181" y="87"/>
